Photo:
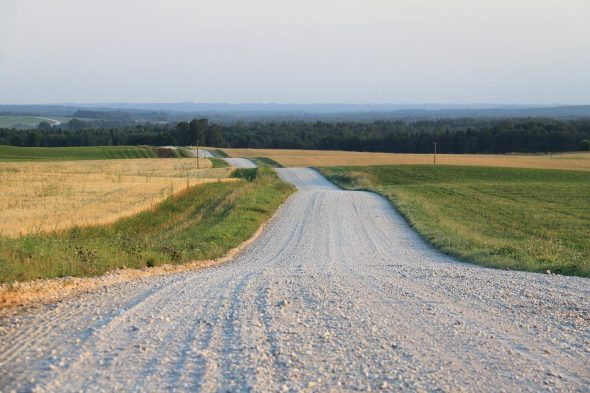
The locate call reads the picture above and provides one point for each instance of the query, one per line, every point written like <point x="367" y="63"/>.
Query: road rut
<point x="337" y="294"/>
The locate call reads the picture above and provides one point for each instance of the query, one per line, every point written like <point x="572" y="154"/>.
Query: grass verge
<point x="204" y="222"/>
<point x="218" y="163"/>
<point x="218" y="153"/>
<point x="523" y="219"/>
<point x="265" y="161"/>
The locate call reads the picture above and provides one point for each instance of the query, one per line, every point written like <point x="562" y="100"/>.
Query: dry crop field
<point x="42" y="197"/>
<point x="298" y="158"/>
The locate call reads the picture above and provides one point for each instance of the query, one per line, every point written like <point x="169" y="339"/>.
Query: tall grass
<point x="524" y="219"/>
<point x="202" y="222"/>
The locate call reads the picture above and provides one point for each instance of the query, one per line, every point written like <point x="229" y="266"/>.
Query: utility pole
<point x="434" y="143"/>
<point x="198" y="166"/>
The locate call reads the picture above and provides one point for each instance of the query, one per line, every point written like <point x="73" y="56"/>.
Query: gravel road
<point x="337" y="294"/>
<point x="240" y="162"/>
<point x="202" y="153"/>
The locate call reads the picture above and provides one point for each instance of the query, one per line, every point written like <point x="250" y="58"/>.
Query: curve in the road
<point x="337" y="294"/>
<point x="201" y="153"/>
<point x="240" y="162"/>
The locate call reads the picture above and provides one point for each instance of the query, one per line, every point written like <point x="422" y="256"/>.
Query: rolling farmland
<point x="338" y="293"/>
<point x="318" y="158"/>
<point x="44" y="197"/>
<point x="525" y="219"/>
<point x="294" y="196"/>
<point x="29" y="121"/>
<point x="41" y="154"/>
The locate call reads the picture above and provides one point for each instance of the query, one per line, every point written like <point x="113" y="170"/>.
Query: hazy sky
<point x="303" y="51"/>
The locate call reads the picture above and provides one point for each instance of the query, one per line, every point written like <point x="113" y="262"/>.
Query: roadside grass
<point x="318" y="158"/>
<point x="202" y="222"/>
<point x="182" y="153"/>
<point x="14" y="153"/>
<point x="218" y="153"/>
<point x="524" y="219"/>
<point x="265" y="161"/>
<point x="49" y="196"/>
<point x="218" y="163"/>
<point x="245" y="173"/>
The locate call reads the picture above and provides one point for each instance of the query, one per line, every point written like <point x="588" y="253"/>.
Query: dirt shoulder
<point x="19" y="295"/>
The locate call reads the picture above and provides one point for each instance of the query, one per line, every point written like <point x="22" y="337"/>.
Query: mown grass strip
<point x="219" y="153"/>
<point x="14" y="153"/>
<point x="218" y="163"/>
<point x="265" y="161"/>
<point x="523" y="219"/>
<point x="204" y="222"/>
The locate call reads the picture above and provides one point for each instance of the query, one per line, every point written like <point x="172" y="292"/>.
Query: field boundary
<point x="20" y="295"/>
<point x="489" y="249"/>
<point x="575" y="161"/>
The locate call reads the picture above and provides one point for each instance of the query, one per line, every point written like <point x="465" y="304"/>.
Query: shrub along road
<point x="337" y="294"/>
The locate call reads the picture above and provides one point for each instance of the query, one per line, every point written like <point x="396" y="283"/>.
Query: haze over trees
<point x="452" y="135"/>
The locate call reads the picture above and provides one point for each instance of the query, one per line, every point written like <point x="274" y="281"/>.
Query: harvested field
<point x="42" y="197"/>
<point x="297" y="158"/>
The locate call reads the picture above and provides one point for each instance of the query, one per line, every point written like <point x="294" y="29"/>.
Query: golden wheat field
<point x="296" y="158"/>
<point x="41" y="197"/>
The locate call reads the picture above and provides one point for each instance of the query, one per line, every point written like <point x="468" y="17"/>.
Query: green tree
<point x="198" y="128"/>
<point x="33" y="139"/>
<point x="585" y="145"/>
<point x="183" y="133"/>
<point x="44" y="125"/>
<point x="214" y="136"/>
<point x="77" y="124"/>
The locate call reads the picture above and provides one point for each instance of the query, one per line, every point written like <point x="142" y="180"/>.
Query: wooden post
<point x="434" y="152"/>
<point x="198" y="166"/>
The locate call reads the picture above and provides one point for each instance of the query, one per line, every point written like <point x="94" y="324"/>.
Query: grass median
<point x="203" y="222"/>
<point x="523" y="219"/>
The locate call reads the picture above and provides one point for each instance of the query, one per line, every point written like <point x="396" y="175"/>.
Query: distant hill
<point x="220" y="112"/>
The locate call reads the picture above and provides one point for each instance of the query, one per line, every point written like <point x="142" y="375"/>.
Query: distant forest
<point x="451" y="135"/>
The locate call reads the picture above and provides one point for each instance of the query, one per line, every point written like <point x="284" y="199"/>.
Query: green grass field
<point x="28" y="121"/>
<point x="218" y="153"/>
<point x="265" y="161"/>
<point x="523" y="219"/>
<point x="13" y="153"/>
<point x="204" y="222"/>
<point x="218" y="163"/>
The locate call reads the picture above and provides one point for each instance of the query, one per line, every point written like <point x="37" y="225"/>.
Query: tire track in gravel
<point x="337" y="294"/>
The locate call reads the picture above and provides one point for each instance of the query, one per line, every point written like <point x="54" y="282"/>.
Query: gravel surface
<point x="240" y="162"/>
<point x="202" y="153"/>
<point x="337" y="294"/>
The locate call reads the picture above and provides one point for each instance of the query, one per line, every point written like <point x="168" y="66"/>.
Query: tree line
<point x="452" y="135"/>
